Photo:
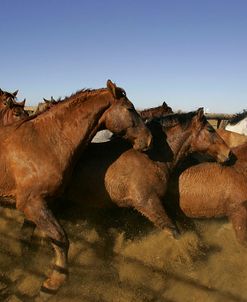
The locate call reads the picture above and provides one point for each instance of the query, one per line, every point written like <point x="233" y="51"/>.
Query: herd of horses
<point x="168" y="166"/>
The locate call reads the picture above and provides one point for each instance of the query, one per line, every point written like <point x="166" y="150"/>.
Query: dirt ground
<point x="118" y="256"/>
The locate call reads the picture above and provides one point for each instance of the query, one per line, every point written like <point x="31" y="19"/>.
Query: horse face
<point x="19" y="112"/>
<point x="14" y="114"/>
<point x="7" y="99"/>
<point x="206" y="140"/>
<point x="122" y="119"/>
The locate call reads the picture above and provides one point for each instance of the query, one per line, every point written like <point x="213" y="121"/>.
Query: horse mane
<point x="83" y="93"/>
<point x="237" y="117"/>
<point x="173" y="119"/>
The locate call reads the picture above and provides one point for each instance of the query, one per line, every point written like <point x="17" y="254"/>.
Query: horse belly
<point x="133" y="178"/>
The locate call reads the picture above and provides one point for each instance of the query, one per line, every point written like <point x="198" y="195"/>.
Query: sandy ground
<point x="118" y="256"/>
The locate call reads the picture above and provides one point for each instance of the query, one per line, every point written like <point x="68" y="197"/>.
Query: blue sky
<point x="190" y="53"/>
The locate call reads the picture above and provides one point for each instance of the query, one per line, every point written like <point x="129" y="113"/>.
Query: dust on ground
<point x="118" y="256"/>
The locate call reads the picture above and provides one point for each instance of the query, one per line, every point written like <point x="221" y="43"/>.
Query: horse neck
<point x="179" y="142"/>
<point x="73" y="122"/>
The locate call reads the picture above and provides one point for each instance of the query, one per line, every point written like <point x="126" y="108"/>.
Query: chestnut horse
<point x="41" y="151"/>
<point x="138" y="180"/>
<point x="212" y="190"/>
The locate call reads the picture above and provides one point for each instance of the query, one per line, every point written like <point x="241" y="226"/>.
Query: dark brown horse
<point x="41" y="151"/>
<point x="211" y="190"/>
<point x="157" y="112"/>
<point x="138" y="180"/>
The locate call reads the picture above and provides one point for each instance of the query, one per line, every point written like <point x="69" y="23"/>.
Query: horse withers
<point x="42" y="150"/>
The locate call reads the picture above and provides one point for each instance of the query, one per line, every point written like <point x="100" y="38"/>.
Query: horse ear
<point x="112" y="88"/>
<point x="45" y="100"/>
<point x="53" y="100"/>
<point x="164" y="105"/>
<point x="200" y="113"/>
<point x="15" y="93"/>
<point x="22" y="103"/>
<point x="1" y="92"/>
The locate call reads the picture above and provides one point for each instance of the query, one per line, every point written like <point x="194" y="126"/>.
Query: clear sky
<point x="189" y="53"/>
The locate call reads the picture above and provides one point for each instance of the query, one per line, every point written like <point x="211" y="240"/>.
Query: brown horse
<point x="138" y="180"/>
<point x="211" y="190"/>
<point x="12" y="112"/>
<point x="157" y="112"/>
<point x="232" y="139"/>
<point x="47" y="104"/>
<point x="41" y="151"/>
<point x="7" y="98"/>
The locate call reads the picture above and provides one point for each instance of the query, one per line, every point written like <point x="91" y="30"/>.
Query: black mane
<point x="174" y="119"/>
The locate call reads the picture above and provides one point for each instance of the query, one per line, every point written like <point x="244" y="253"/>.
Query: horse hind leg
<point x="238" y="218"/>
<point x="155" y="212"/>
<point x="36" y="211"/>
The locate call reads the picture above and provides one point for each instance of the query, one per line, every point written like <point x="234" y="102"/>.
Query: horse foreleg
<point x="155" y="212"/>
<point x="238" y="217"/>
<point x="37" y="212"/>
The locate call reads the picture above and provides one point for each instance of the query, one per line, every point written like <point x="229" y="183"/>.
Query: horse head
<point x="14" y="113"/>
<point x="166" y="109"/>
<point x="122" y="119"/>
<point x="7" y="99"/>
<point x="205" y="139"/>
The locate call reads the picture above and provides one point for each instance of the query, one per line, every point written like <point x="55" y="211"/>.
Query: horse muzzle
<point x="143" y="144"/>
<point x="230" y="160"/>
